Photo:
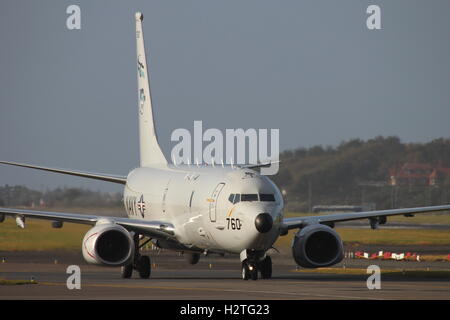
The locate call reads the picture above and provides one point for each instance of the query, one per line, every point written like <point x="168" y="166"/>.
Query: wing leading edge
<point x="153" y="229"/>
<point x="300" y="222"/>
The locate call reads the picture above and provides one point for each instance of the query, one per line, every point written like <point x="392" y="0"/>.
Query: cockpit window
<point x="249" y="197"/>
<point x="266" y="197"/>
<point x="235" y="198"/>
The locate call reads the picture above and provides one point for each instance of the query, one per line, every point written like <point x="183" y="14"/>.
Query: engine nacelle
<point x="108" y="244"/>
<point x="317" y="246"/>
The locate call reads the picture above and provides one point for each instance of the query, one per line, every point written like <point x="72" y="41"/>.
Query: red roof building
<point x="420" y="174"/>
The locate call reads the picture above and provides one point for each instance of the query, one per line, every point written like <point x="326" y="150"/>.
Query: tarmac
<point x="217" y="278"/>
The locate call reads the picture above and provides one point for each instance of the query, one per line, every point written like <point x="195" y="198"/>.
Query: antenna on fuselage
<point x="221" y="160"/>
<point x="232" y="167"/>
<point x="174" y="161"/>
<point x="196" y="160"/>
<point x="212" y="162"/>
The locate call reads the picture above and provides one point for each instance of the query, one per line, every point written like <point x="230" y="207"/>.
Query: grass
<point x="38" y="235"/>
<point x="394" y="236"/>
<point x="436" y="257"/>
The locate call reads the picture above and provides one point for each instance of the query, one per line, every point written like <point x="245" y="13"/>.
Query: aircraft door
<point x="213" y="202"/>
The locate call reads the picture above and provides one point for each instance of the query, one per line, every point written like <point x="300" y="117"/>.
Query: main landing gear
<point x="192" y="258"/>
<point x="140" y="263"/>
<point x="250" y="269"/>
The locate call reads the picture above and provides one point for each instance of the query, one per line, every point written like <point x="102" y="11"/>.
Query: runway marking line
<point x="212" y="289"/>
<point x="385" y="283"/>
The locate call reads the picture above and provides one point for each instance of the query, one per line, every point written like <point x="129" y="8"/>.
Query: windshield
<point x="235" y="198"/>
<point x="249" y="197"/>
<point x="266" y="197"/>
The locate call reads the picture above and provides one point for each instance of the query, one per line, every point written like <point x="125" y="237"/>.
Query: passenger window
<point x="237" y="198"/>
<point x="266" y="197"/>
<point x="231" y="198"/>
<point x="249" y="197"/>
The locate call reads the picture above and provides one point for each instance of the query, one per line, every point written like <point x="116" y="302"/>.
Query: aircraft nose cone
<point x="263" y="222"/>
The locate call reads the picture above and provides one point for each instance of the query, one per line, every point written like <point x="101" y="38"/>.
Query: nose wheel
<point x="250" y="269"/>
<point x="265" y="267"/>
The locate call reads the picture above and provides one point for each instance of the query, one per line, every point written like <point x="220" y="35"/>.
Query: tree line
<point x="14" y="196"/>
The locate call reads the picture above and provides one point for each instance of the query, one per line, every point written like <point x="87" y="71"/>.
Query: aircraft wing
<point x="153" y="229"/>
<point x="300" y="222"/>
<point x="91" y="175"/>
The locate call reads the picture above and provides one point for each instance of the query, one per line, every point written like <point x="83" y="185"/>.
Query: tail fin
<point x="151" y="153"/>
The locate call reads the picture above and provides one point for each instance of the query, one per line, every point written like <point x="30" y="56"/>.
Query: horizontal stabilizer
<point x="258" y="165"/>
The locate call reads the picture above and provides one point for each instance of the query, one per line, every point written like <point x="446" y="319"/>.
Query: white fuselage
<point x="196" y="200"/>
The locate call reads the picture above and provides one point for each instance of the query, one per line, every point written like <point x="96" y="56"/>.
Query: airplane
<point x="198" y="209"/>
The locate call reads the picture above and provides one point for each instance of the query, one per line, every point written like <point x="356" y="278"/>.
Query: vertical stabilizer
<point x="151" y="153"/>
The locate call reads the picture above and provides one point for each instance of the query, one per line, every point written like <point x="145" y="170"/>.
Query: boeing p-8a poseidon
<point x="198" y="209"/>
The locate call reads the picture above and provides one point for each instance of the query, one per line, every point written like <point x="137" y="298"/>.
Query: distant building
<point x="418" y="174"/>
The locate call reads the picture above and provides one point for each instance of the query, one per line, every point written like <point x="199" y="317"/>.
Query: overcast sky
<point x="311" y="69"/>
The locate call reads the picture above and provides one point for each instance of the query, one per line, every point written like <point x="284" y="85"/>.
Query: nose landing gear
<point x="265" y="266"/>
<point x="250" y="269"/>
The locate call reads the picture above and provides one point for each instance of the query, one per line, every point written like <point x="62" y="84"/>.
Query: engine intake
<point x="108" y="244"/>
<point x="317" y="246"/>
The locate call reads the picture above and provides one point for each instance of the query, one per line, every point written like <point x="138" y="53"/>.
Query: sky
<point x="311" y="69"/>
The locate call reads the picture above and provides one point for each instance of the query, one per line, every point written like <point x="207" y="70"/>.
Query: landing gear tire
<point x="144" y="267"/>
<point x="254" y="273"/>
<point x="126" y="271"/>
<point x="245" y="271"/>
<point x="193" y="258"/>
<point x="265" y="267"/>
<point x="249" y="271"/>
<point x="140" y="263"/>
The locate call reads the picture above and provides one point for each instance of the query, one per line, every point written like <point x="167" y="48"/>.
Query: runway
<point x="213" y="278"/>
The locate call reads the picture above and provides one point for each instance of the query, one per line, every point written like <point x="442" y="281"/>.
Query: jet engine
<point x="317" y="246"/>
<point x="108" y="244"/>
